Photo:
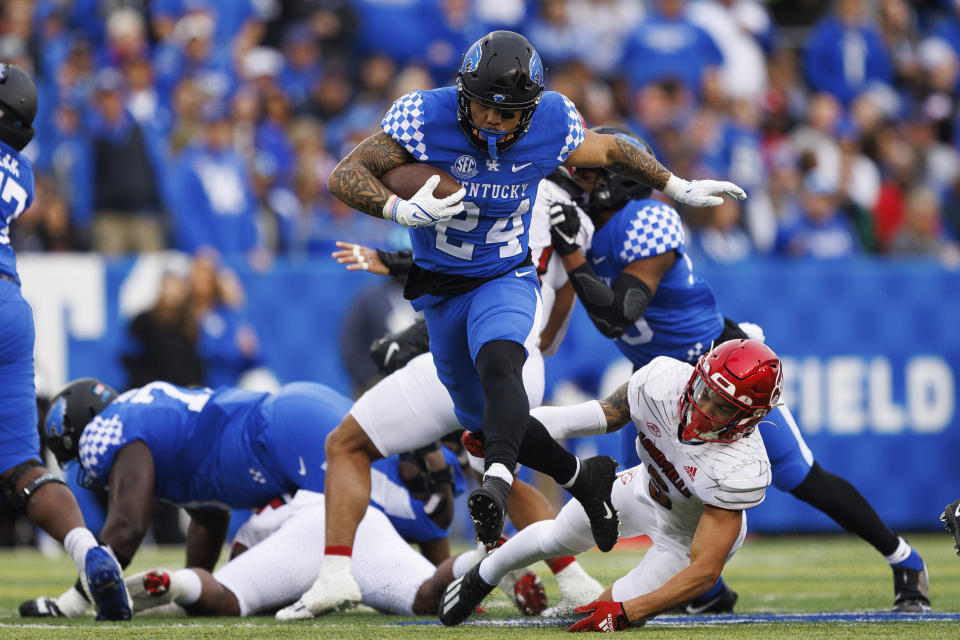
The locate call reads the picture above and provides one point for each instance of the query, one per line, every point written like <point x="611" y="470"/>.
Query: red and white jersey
<point x="685" y="476"/>
<point x="549" y="267"/>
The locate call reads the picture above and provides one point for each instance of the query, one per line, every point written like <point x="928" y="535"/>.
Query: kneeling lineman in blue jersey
<point x="209" y="451"/>
<point x="42" y="495"/>
<point x="499" y="133"/>
<point x="639" y="288"/>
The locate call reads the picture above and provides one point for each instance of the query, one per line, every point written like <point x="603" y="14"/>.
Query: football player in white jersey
<point x="412" y="406"/>
<point x="276" y="556"/>
<point x="703" y="465"/>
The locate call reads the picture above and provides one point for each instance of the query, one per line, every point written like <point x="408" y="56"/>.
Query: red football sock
<point x="559" y="564"/>
<point x="338" y="551"/>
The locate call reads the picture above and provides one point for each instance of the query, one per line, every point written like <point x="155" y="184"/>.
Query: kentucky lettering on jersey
<point x="491" y="236"/>
<point x="16" y="196"/>
<point x="683" y="312"/>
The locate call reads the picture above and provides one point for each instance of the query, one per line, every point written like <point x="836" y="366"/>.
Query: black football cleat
<point x="721" y="603"/>
<point x="592" y="489"/>
<point x="41" y="608"/>
<point x="488" y="508"/>
<point x="463" y="596"/>
<point x="911" y="589"/>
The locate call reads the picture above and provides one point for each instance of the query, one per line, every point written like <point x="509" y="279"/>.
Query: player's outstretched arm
<point x="360" y="258"/>
<point x="588" y="418"/>
<point x="356" y="179"/>
<point x="716" y="534"/>
<point x="627" y="159"/>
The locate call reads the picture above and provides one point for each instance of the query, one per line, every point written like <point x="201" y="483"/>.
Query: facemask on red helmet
<point x="731" y="390"/>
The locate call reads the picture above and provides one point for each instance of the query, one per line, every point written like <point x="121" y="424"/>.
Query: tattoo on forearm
<point x="356" y="181"/>
<point x="631" y="161"/>
<point x="616" y="408"/>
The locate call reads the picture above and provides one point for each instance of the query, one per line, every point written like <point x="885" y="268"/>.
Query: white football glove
<point x="701" y="193"/>
<point x="423" y="209"/>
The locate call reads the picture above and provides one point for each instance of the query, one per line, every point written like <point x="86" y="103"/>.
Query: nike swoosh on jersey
<point x="520" y="275"/>
<point x="519" y="167"/>
<point x="303" y="468"/>
<point x="599" y="259"/>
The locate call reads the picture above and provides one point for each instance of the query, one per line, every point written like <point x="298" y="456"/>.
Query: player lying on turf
<point x="212" y="450"/>
<point x="703" y="465"/>
<point x="639" y="288"/>
<point x="411" y="406"/>
<point x="500" y="134"/>
<point x="275" y="557"/>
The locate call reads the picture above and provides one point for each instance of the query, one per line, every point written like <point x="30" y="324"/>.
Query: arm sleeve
<point x="575" y="421"/>
<point x="398" y="263"/>
<point x="612" y="310"/>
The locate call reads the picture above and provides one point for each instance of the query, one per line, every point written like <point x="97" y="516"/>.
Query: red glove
<point x="604" y="616"/>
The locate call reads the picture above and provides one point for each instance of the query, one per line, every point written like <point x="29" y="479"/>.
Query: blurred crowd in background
<point x="213" y="124"/>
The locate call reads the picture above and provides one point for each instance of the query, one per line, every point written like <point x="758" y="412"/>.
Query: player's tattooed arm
<point x="616" y="408"/>
<point x="630" y="161"/>
<point x="356" y="180"/>
<point x="619" y="156"/>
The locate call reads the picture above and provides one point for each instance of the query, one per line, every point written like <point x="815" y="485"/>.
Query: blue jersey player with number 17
<point x="42" y="495"/>
<point x="499" y="134"/>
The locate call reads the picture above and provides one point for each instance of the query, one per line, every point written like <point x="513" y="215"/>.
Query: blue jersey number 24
<point x="499" y="233"/>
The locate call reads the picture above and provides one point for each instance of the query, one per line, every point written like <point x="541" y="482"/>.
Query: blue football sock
<point x="913" y="562"/>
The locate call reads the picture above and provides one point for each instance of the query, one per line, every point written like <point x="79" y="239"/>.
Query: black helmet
<point x="70" y="410"/>
<point x="18" y="102"/>
<point x="611" y="191"/>
<point x="504" y="71"/>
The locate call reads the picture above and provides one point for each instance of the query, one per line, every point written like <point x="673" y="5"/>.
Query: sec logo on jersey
<point x="654" y="429"/>
<point x="464" y="167"/>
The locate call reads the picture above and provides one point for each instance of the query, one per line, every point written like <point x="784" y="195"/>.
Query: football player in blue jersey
<point x="209" y="451"/>
<point x="499" y="133"/>
<point x="637" y="284"/>
<point x="41" y="494"/>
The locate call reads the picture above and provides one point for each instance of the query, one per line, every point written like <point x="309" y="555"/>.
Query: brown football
<point x="407" y="179"/>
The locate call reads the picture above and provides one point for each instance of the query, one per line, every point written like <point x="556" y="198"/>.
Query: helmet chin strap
<point x="493" y="137"/>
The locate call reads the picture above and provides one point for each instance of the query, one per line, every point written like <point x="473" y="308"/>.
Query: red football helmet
<point x="732" y="388"/>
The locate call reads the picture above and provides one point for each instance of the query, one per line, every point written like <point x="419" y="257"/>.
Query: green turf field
<point x="778" y="575"/>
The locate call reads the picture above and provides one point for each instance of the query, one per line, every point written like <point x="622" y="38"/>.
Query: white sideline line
<point x="181" y="625"/>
